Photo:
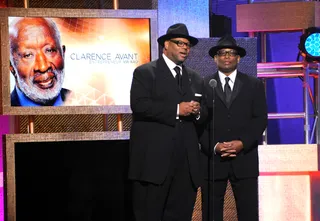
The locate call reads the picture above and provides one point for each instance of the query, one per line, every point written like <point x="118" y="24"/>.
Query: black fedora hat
<point x="227" y="41"/>
<point x="178" y="30"/>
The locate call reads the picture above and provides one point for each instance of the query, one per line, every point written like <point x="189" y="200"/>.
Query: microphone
<point x="213" y="83"/>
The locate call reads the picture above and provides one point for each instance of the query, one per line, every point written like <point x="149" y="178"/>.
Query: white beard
<point x="38" y="95"/>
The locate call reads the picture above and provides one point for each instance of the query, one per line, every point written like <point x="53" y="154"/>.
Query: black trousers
<point x="245" y="191"/>
<point x="207" y="200"/>
<point x="172" y="200"/>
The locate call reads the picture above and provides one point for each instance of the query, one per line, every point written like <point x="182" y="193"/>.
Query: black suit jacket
<point x="15" y="99"/>
<point x="154" y="99"/>
<point x="244" y="119"/>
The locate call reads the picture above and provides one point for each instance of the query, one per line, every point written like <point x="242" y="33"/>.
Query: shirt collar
<point x="170" y="63"/>
<point x="25" y="101"/>
<point x="232" y="76"/>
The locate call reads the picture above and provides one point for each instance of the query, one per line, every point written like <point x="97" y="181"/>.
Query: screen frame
<point x="10" y="140"/>
<point x="5" y="13"/>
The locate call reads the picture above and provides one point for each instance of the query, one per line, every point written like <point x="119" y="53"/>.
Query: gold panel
<point x="288" y="158"/>
<point x="101" y="4"/>
<point x="285" y="198"/>
<point x="197" y="210"/>
<point x="277" y="16"/>
<point x="229" y="210"/>
<point x="73" y="123"/>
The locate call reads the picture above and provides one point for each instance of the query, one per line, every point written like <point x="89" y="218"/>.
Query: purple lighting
<point x="4" y="129"/>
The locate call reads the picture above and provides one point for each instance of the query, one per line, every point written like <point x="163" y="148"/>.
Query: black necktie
<point x="178" y="75"/>
<point x="227" y="90"/>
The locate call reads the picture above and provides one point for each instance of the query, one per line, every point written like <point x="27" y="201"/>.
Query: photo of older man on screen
<point x="37" y="63"/>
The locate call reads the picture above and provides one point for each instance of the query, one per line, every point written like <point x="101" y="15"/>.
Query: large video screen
<point x="79" y="61"/>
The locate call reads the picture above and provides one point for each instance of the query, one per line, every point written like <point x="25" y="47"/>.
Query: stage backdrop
<point x="200" y="60"/>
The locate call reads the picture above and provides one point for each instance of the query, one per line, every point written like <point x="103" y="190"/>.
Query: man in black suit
<point x="240" y="117"/>
<point x="37" y="63"/>
<point x="164" y="151"/>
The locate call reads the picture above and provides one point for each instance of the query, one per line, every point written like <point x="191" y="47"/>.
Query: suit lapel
<point x="166" y="75"/>
<point x="219" y="90"/>
<point x="186" y="81"/>
<point x="236" y="88"/>
<point x="235" y="91"/>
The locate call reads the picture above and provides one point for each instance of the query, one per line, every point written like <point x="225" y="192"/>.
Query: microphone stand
<point x="212" y="152"/>
<point x="213" y="84"/>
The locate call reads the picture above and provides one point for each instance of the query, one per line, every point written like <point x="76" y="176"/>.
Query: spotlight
<point x="309" y="45"/>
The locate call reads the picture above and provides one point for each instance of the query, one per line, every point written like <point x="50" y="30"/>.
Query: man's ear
<point x="12" y="70"/>
<point x="63" y="49"/>
<point x="165" y="45"/>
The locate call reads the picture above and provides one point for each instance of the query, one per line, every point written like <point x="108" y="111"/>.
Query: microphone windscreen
<point x="213" y="83"/>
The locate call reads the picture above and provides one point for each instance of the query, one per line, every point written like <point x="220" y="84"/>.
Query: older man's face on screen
<point x="37" y="60"/>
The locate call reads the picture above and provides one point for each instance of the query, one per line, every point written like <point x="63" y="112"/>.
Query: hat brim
<point x="166" y="37"/>
<point x="241" y="51"/>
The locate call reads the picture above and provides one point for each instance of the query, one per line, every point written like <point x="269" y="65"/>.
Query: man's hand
<point x="196" y="107"/>
<point x="230" y="148"/>
<point x="187" y="108"/>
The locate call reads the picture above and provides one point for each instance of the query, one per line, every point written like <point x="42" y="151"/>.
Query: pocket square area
<point x="198" y="95"/>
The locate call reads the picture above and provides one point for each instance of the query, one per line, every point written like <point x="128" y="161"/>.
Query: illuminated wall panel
<point x="285" y="198"/>
<point x="288" y="158"/>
